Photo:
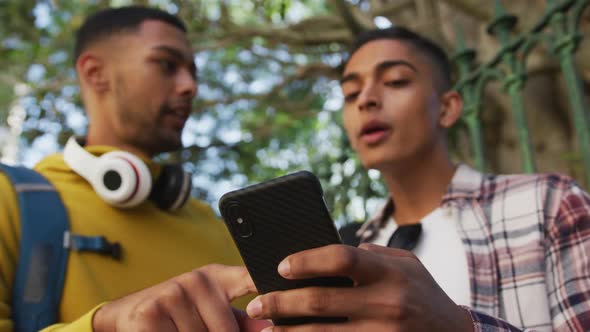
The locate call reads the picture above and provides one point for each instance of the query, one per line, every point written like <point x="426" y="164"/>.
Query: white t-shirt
<point x="441" y="251"/>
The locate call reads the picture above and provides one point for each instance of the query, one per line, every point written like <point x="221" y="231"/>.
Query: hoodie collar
<point x="56" y="163"/>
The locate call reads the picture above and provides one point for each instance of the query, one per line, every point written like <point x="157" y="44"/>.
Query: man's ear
<point x="451" y="108"/>
<point x="92" y="72"/>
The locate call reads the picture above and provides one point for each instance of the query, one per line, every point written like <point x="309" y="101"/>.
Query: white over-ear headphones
<point x="118" y="177"/>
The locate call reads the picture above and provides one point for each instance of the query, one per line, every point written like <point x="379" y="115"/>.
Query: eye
<point x="397" y="83"/>
<point x="350" y="97"/>
<point x="168" y="66"/>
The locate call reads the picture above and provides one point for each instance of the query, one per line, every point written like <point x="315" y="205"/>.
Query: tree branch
<point x="313" y="31"/>
<point x="347" y="14"/>
<point x="287" y="36"/>
<point x="474" y="9"/>
<point x="392" y="9"/>
<point x="314" y="70"/>
<point x="318" y="22"/>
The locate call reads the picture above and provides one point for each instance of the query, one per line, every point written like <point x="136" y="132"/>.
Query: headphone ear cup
<point x="172" y="188"/>
<point x="121" y="179"/>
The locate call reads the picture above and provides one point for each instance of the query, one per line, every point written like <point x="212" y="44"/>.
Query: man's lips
<point x="181" y="110"/>
<point x="178" y="115"/>
<point x="374" y="132"/>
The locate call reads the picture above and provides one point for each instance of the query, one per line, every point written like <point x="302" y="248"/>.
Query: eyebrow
<point x="381" y="67"/>
<point x="176" y="53"/>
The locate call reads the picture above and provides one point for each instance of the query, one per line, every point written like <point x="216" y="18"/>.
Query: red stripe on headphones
<point x="136" y="182"/>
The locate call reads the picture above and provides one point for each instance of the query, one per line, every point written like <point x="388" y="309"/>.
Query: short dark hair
<point x="108" y="22"/>
<point x="431" y="50"/>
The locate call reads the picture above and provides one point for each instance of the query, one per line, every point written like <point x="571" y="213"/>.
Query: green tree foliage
<point x="264" y="79"/>
<point x="268" y="101"/>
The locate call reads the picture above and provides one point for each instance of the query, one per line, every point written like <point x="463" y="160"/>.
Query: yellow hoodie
<point x="157" y="245"/>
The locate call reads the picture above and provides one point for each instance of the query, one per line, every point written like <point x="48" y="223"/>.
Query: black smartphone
<point x="274" y="219"/>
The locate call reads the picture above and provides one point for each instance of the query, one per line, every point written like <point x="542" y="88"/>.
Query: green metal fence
<point x="558" y="29"/>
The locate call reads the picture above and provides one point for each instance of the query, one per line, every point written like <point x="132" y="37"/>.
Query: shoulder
<point x="550" y="196"/>
<point x="516" y="180"/>
<point x="514" y="194"/>
<point x="201" y="207"/>
<point x="201" y="212"/>
<point x="522" y="185"/>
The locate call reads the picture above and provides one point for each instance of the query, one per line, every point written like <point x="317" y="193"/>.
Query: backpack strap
<point x="42" y="260"/>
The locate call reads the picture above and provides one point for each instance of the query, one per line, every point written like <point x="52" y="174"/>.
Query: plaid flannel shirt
<point x="527" y="241"/>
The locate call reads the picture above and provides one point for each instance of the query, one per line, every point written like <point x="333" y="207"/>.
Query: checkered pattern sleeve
<point x="486" y="323"/>
<point x="567" y="260"/>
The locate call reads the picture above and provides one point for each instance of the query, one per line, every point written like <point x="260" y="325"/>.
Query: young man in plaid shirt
<point x="482" y="252"/>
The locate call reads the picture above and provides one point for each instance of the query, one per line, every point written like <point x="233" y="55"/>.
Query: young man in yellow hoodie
<point x="138" y="79"/>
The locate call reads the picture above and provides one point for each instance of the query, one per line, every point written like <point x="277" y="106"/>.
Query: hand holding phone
<point x="274" y="219"/>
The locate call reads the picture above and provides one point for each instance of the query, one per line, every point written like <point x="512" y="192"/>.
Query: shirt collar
<point x="466" y="183"/>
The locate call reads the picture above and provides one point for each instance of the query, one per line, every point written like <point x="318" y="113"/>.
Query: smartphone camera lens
<point x="244" y="228"/>
<point x="239" y="221"/>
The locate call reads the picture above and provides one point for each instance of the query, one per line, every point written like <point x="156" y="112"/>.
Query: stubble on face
<point x="141" y="127"/>
<point x="151" y="88"/>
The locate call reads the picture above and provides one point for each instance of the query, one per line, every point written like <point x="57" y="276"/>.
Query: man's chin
<point x="167" y="144"/>
<point x="380" y="162"/>
<point x="171" y="147"/>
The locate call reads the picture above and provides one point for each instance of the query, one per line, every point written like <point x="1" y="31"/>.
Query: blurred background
<point x="269" y="101"/>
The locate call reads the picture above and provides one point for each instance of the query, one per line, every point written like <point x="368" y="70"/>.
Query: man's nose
<point x="369" y="98"/>
<point x="186" y="83"/>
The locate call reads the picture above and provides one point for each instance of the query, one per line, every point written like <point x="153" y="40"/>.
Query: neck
<point x="101" y="140"/>
<point x="100" y="135"/>
<point x="418" y="186"/>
